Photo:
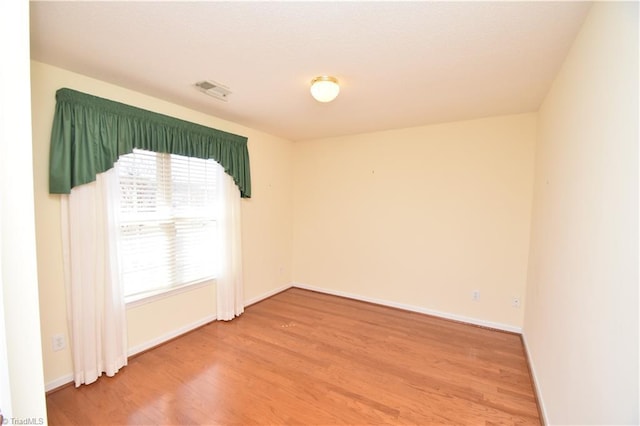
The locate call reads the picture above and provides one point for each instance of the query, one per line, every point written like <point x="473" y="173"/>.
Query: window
<point x="167" y="224"/>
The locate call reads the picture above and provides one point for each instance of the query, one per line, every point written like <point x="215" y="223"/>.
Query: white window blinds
<point x="168" y="227"/>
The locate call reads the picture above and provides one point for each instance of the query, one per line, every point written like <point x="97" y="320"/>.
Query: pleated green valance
<point x="90" y="133"/>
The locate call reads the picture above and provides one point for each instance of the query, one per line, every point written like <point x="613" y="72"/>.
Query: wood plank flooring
<point x="302" y="357"/>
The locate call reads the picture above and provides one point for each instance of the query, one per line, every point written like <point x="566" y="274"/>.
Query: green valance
<point x="90" y="133"/>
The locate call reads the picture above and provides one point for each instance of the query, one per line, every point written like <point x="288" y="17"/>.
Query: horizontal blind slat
<point x="168" y="230"/>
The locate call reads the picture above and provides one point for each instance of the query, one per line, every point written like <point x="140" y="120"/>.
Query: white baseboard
<point x="56" y="383"/>
<point x="536" y="384"/>
<point x="412" y="308"/>
<point x="170" y="335"/>
<point x="266" y="295"/>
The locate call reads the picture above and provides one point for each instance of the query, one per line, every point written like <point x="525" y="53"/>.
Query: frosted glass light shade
<point x="324" y="88"/>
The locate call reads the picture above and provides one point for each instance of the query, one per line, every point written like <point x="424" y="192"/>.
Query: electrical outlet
<point x="515" y="302"/>
<point x="475" y="295"/>
<point x="57" y="342"/>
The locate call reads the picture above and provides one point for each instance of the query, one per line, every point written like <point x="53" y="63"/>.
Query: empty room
<point x="319" y="213"/>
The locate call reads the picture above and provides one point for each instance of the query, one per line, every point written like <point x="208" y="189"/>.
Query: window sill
<point x="143" y="299"/>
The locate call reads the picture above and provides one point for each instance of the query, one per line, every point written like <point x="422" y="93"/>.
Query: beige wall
<point x="420" y="217"/>
<point x="266" y="222"/>
<point x="581" y="323"/>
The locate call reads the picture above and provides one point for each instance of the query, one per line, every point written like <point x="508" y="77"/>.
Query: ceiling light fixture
<point x="324" y="88"/>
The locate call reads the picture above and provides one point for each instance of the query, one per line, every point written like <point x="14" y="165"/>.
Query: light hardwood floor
<point x="302" y="357"/>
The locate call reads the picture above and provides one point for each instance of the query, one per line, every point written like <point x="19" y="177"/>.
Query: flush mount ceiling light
<point x="324" y="88"/>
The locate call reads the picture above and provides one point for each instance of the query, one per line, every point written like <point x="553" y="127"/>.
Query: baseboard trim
<point x="412" y="308"/>
<point x="542" y="412"/>
<point x="266" y="295"/>
<point x="58" y="383"/>
<point x="170" y="335"/>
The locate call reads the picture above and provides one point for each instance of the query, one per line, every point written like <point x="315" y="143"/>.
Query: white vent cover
<point x="216" y="90"/>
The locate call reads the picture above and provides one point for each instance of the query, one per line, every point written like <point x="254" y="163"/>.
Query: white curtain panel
<point x="229" y="284"/>
<point x="95" y="301"/>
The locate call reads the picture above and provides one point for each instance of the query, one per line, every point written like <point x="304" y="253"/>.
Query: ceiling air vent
<point x="211" y="88"/>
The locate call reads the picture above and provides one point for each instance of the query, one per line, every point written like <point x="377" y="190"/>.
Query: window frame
<point x="176" y="216"/>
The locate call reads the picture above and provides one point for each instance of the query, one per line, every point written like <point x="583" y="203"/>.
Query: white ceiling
<point x="400" y="64"/>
